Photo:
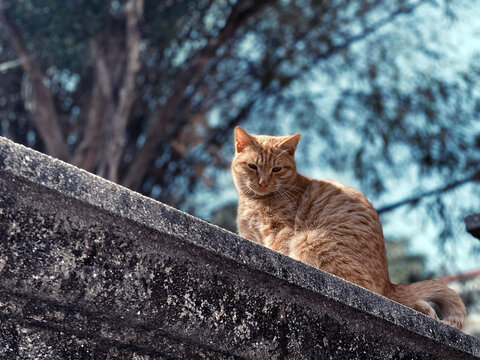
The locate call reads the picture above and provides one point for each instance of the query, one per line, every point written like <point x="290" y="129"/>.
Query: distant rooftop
<point x="473" y="224"/>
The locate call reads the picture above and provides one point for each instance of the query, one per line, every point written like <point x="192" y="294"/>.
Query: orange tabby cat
<point x="322" y="223"/>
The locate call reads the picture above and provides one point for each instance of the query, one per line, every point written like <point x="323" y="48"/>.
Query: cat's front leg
<point x="278" y="240"/>
<point x="246" y="230"/>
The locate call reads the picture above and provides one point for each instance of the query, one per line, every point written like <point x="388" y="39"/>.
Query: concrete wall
<point x="89" y="269"/>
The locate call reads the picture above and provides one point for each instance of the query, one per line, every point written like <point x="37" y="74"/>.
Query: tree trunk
<point x="118" y="118"/>
<point x="87" y="152"/>
<point x="38" y="97"/>
<point x="112" y="97"/>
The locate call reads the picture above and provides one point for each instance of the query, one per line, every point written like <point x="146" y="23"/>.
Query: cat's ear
<point x="243" y="139"/>
<point x="290" y="143"/>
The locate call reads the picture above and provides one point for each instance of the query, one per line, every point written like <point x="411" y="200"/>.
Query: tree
<point x="147" y="93"/>
<point x="113" y="38"/>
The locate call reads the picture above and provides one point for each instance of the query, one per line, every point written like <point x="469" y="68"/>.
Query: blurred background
<point x="146" y="93"/>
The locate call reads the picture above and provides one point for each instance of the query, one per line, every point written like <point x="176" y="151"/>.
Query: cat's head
<point x="263" y="164"/>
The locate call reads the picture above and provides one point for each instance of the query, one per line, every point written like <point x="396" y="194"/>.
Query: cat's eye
<point x="276" y="169"/>
<point x="252" y="166"/>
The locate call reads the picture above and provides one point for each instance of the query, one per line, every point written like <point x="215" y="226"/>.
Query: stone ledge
<point x="89" y="269"/>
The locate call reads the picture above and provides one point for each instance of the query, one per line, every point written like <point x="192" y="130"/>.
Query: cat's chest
<point x="273" y="217"/>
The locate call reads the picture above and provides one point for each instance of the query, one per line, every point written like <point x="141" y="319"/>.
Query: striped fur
<point x="322" y="223"/>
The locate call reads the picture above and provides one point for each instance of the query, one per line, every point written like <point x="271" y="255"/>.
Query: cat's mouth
<point x="259" y="191"/>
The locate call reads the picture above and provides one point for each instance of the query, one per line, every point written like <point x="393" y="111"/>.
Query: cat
<point x="322" y="223"/>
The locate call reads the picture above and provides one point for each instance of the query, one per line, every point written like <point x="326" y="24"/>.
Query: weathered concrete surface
<point x="89" y="269"/>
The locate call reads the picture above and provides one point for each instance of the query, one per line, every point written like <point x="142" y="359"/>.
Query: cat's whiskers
<point x="291" y="191"/>
<point x="285" y="195"/>
<point x="246" y="189"/>
<point x="250" y="192"/>
<point x="293" y="187"/>
<point x="281" y="194"/>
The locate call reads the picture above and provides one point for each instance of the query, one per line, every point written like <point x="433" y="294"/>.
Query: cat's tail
<point x="417" y="295"/>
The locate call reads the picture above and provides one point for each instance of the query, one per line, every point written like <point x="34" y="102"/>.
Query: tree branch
<point x="7" y="65"/>
<point x="41" y="101"/>
<point x="117" y="122"/>
<point x="87" y="152"/>
<point x="103" y="73"/>
<point x="415" y="199"/>
<point x="371" y="29"/>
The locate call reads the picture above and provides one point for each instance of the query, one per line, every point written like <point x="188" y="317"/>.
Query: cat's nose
<point x="263" y="183"/>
